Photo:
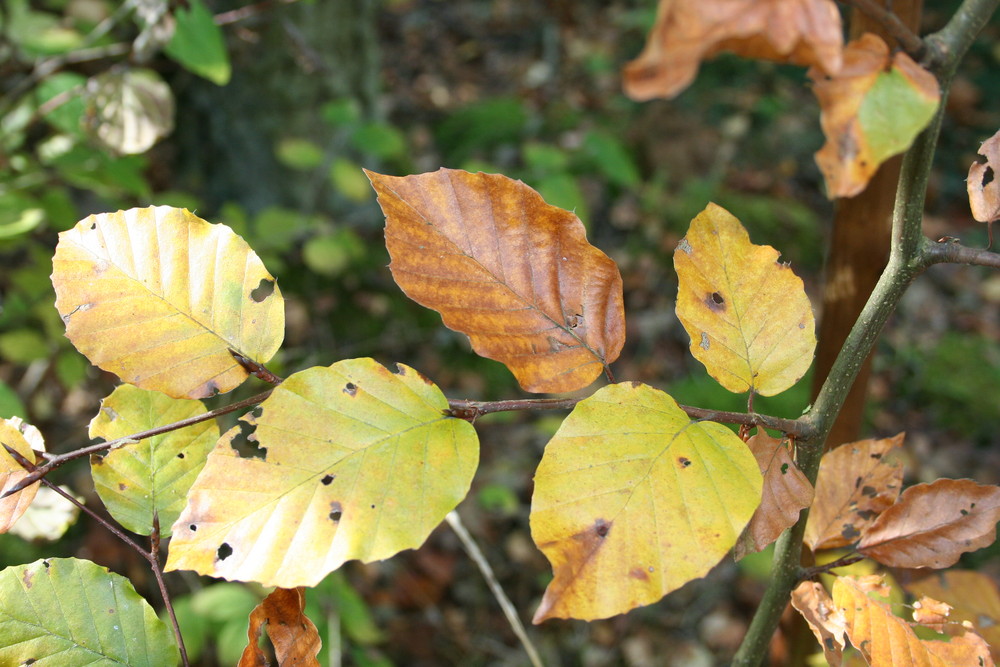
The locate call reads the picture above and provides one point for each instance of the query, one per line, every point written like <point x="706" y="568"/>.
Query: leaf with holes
<point x="982" y="184"/>
<point x="633" y="500"/>
<point x="159" y="297"/>
<point x="150" y="478"/>
<point x="513" y="273"/>
<point x="872" y="109"/>
<point x="687" y="32"/>
<point x="787" y="491"/>
<point x="292" y="633"/>
<point x="827" y="622"/>
<point x="22" y="438"/>
<point x="346" y="462"/>
<point x="748" y="316"/>
<point x="64" y="611"/>
<point x="856" y="483"/>
<point x="974" y="597"/>
<point x="932" y="525"/>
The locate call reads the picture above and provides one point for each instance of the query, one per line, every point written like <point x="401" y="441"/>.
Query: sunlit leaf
<point x="633" y="499"/>
<point x="748" y="316"/>
<point x="787" y="491"/>
<point x="983" y="184"/>
<point x="293" y="635"/>
<point x="803" y="32"/>
<point x="350" y="461"/>
<point x="513" y="273"/>
<point x="129" y="110"/>
<point x="198" y="43"/>
<point x="21" y="438"/>
<point x="872" y="109"/>
<point x="48" y="517"/>
<point x="932" y="525"/>
<point x="826" y="621"/>
<point x="192" y="292"/>
<point x="64" y="611"/>
<point x="974" y="597"/>
<point x="151" y="478"/>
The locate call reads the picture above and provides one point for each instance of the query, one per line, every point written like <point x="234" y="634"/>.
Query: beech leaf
<point x="686" y="32"/>
<point x="192" y="291"/>
<point x="65" y="611"/>
<point x="351" y="462"/>
<point x="513" y="273"/>
<point x="294" y="637"/>
<point x="983" y="186"/>
<point x="974" y="599"/>
<point x="150" y="478"/>
<point x="932" y="525"/>
<point x="872" y="109"/>
<point x="787" y="491"/>
<point x="748" y="316"/>
<point x="129" y="110"/>
<point x="826" y="621"/>
<point x="632" y="500"/>
<point x="21" y="438"/>
<point x="856" y="483"/>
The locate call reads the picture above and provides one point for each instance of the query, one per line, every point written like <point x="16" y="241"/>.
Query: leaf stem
<point x="476" y="554"/>
<point x="949" y="251"/>
<point x="908" y="40"/>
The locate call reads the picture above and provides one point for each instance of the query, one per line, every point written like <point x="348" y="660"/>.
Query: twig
<point x="57" y="461"/>
<point x="243" y="13"/>
<point x="907" y="39"/>
<point x="950" y="251"/>
<point x="154" y="552"/>
<point x="476" y="554"/>
<point x="813" y="572"/>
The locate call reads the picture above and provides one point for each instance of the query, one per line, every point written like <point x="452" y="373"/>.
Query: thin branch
<point x="947" y="47"/>
<point x="476" y="554"/>
<point x="813" y="572"/>
<point x="908" y="40"/>
<point x="154" y="552"/>
<point x="953" y="252"/>
<point x="244" y="13"/>
<point x="57" y="461"/>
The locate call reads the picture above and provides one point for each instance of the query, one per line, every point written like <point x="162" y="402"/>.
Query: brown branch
<point x="908" y="40"/>
<point x="813" y="572"/>
<point x="57" y="461"/>
<point x="950" y="251"/>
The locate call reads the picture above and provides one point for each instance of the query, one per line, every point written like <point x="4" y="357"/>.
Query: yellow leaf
<point x="158" y="296"/>
<point x="513" y="273"/>
<point x="21" y="438"/>
<point x="353" y="461"/>
<point x="633" y="499"/>
<point x="748" y="316"/>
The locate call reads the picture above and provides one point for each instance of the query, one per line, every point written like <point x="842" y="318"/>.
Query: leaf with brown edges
<point x="982" y="184"/>
<point x="293" y="635"/>
<point x="514" y="274"/>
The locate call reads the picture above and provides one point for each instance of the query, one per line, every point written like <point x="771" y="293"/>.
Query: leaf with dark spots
<point x="327" y="479"/>
<point x="336" y="511"/>
<point x="224" y="551"/>
<point x="716" y="302"/>
<point x="351" y="389"/>
<point x="869" y="491"/>
<point x="683" y="462"/>
<point x="850" y="533"/>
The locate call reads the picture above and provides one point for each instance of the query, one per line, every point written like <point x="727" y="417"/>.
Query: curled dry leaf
<point x="856" y="483"/>
<point x="932" y="525"/>
<point x="293" y="635"/>
<point x="786" y="492"/>
<point x="871" y="109"/>
<point x="931" y="613"/>
<point x="514" y="274"/>
<point x="748" y="315"/>
<point x="22" y="438"/>
<point x="826" y="621"/>
<point x="983" y="184"/>
<point x="974" y="598"/>
<point x="686" y="32"/>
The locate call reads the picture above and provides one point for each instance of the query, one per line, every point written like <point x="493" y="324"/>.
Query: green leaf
<point x="380" y="140"/>
<point x="633" y="500"/>
<point x="22" y="346"/>
<point x="65" y="611"/>
<point x="350" y="180"/>
<point x="331" y="254"/>
<point x="67" y="116"/>
<point x="198" y="44"/>
<point x="150" y="478"/>
<point x="894" y="112"/>
<point x="299" y="154"/>
<point x="611" y="158"/>
<point x="351" y="462"/>
<point x="10" y="402"/>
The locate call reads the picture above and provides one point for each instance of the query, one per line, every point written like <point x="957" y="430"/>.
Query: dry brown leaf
<point x="786" y="492"/>
<point x="932" y="525"/>
<point x="686" y="32"/>
<point x="931" y="613"/>
<point x="974" y="598"/>
<point x="983" y="185"/>
<point x="964" y="650"/>
<point x="513" y="273"/>
<point x="825" y="620"/>
<point x="293" y="635"/>
<point x="856" y="482"/>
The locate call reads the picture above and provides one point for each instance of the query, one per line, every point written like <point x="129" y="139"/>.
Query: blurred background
<point x="262" y="116"/>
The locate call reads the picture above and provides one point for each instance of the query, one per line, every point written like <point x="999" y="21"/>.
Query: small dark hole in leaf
<point x="875" y="456"/>
<point x="181" y="455"/>
<point x="46" y="564"/>
<point x="335" y="516"/>
<point x="684" y="462"/>
<point x="263" y="290"/>
<point x="602" y="528"/>
<point x="373" y="507"/>
<point x="257" y="412"/>
<point x="351" y="389"/>
<point x="93" y="226"/>
<point x="225" y="551"/>
<point x="122" y="486"/>
<point x="784" y="468"/>
<point x="964" y="512"/>
<point x="245" y="444"/>
<point x="869" y="491"/>
<point x="29" y="661"/>
<point x="717" y="298"/>
<point x="336" y="511"/>
<point x="327" y="479"/>
<point x="988" y="176"/>
<point x="193" y="528"/>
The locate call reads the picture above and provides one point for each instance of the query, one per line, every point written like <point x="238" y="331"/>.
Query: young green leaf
<point x="65" y="611"/>
<point x="513" y="273"/>
<point x="159" y="297"/>
<point x="633" y="500"/>
<point x="198" y="43"/>
<point x="352" y="461"/>
<point x="151" y="478"/>
<point x="748" y="316"/>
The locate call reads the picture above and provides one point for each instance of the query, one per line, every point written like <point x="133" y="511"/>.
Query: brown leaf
<point x="802" y="32"/>
<point x="974" y="598"/>
<point x="983" y="186"/>
<point x="932" y="525"/>
<point x="295" y="639"/>
<point x="856" y="482"/>
<point x="825" y="620"/>
<point x="786" y="492"/>
<point x="513" y="273"/>
<point x="931" y="613"/>
<point x="961" y="651"/>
